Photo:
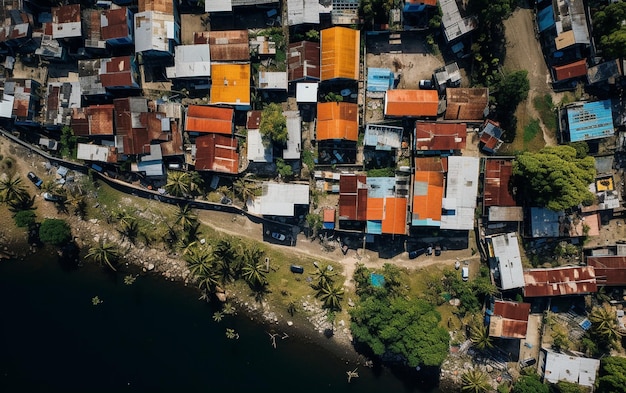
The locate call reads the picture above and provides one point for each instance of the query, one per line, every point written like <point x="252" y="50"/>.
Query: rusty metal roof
<point x="118" y="72"/>
<point x="165" y="6"/>
<point x="440" y="136"/>
<point x="498" y="173"/>
<point x="303" y="60"/>
<point x="466" y="103"/>
<point x="411" y="102"/>
<point x="560" y="281"/>
<point x="218" y="153"/>
<point x="66" y="14"/>
<point x="610" y="270"/>
<point x="352" y="197"/>
<point x="229" y="45"/>
<point x="100" y="119"/>
<point x="254" y="120"/>
<point x="213" y="119"/>
<point x="116" y="25"/>
<point x="509" y="319"/>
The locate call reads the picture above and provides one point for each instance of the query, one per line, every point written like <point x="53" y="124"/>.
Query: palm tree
<point x="104" y="254"/>
<point x="475" y="381"/>
<point x="25" y="202"/>
<point x="195" y="183"/>
<point x="185" y="217"/>
<point x="12" y="190"/>
<point x="129" y="230"/>
<point x="178" y="183"/>
<point x="254" y="274"/>
<point x="331" y="296"/>
<point x="78" y="203"/>
<point x="479" y="335"/>
<point x="202" y="266"/>
<point x="228" y="261"/>
<point x="604" y="323"/>
<point x="245" y="189"/>
<point x="324" y="277"/>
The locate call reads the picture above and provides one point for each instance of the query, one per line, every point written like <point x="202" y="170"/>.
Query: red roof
<point x="66" y="14"/>
<point x="412" y="103"/>
<point x="117" y="24"/>
<point x="229" y="45"/>
<point x="217" y="153"/>
<point x="329" y="215"/>
<point x="303" y="59"/>
<point x="571" y="70"/>
<point x="509" y="319"/>
<point x="118" y="72"/>
<point x="100" y="119"/>
<point x="496" y="184"/>
<point x="254" y="120"/>
<point x="464" y="103"/>
<point x="610" y="270"/>
<point x="560" y="281"/>
<point x="352" y="197"/>
<point x="440" y="136"/>
<point x="213" y="119"/>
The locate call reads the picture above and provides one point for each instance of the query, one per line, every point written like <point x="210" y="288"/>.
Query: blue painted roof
<point x="379" y="79"/>
<point x="545" y="18"/>
<point x="408" y="7"/>
<point x="591" y="120"/>
<point x="375" y="227"/>
<point x="328" y="225"/>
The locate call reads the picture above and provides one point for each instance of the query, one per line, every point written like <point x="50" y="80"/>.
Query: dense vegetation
<point x="273" y="124"/>
<point x="55" y="231"/>
<point x="609" y="29"/>
<point x="612" y="377"/>
<point x="556" y="177"/>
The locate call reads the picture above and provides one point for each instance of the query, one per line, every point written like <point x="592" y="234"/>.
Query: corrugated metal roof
<point x="505" y="249"/>
<point x="429" y="164"/>
<point x="571" y="70"/>
<point x="279" y="199"/>
<point x="414" y="103"/>
<point x="257" y="151"/>
<point x="254" y="120"/>
<point x="379" y="79"/>
<point x="100" y="119"/>
<point x="340" y="51"/>
<point x="294" y="135"/>
<point x="498" y="174"/>
<point x="191" y="61"/>
<point x="427" y="198"/>
<point x="115" y="23"/>
<point x="610" y="270"/>
<point x="604" y="71"/>
<point x="454" y="25"/>
<point x="461" y="192"/>
<point x="509" y="319"/>
<point x="66" y="21"/>
<point x="204" y="118"/>
<point x="217" y="153"/>
<point x="166" y="6"/>
<point x="440" y="136"/>
<point x="272" y="80"/>
<point x="466" y="103"/>
<point x="303" y="61"/>
<point x="577" y="370"/>
<point x="118" y="72"/>
<point x="303" y="11"/>
<point x="506" y="213"/>
<point x="394" y="219"/>
<point x="352" y="197"/>
<point x="218" y="6"/>
<point x="328" y="215"/>
<point x="571" y="23"/>
<point x="560" y="281"/>
<point x="590" y="120"/>
<point x="545" y="222"/>
<point x="383" y="137"/>
<point x="231" y="84"/>
<point x="337" y="120"/>
<point x="229" y="45"/>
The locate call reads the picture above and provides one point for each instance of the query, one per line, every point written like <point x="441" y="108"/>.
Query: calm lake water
<point x="151" y="336"/>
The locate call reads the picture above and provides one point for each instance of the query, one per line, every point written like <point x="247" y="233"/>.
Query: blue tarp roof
<point x="377" y="280"/>
<point x="591" y="120"/>
<point x="379" y="79"/>
<point x="328" y="225"/>
<point x="545" y="18"/>
<point x="375" y="227"/>
<point x="408" y="7"/>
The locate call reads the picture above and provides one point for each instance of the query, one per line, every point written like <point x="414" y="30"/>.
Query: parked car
<point x="296" y="269"/>
<point x="50" y="197"/>
<point x="437" y="250"/>
<point x="416" y="253"/>
<point x="465" y="273"/>
<point x="35" y="179"/>
<point x="426" y="84"/>
<point x="527" y="362"/>
<point x="278" y="236"/>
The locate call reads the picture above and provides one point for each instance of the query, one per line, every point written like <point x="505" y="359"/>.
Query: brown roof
<point x="79" y="122"/>
<point x="328" y="215"/>
<point x="217" y="153"/>
<point x="498" y="173"/>
<point x="118" y="72"/>
<point x="571" y="70"/>
<point x="173" y="147"/>
<point x="352" y="197"/>
<point x="466" y="103"/>
<point x="440" y="136"/>
<point x="509" y="319"/>
<point x="230" y="45"/>
<point x="66" y="14"/>
<point x="254" y="120"/>
<point x="429" y="164"/>
<point x="117" y="24"/>
<point x="560" y="281"/>
<point x="166" y="6"/>
<point x="610" y="270"/>
<point x="415" y="103"/>
<point x="303" y="60"/>
<point x="100" y="119"/>
<point x="213" y="119"/>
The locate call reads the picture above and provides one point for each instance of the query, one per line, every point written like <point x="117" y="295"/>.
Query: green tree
<point x="511" y="89"/>
<point x="479" y="335"/>
<point x="475" y="381"/>
<point x="612" y="376"/>
<point x="568" y="387"/>
<point x="323" y="277"/>
<point x="185" y="217"/>
<point x="604" y="325"/>
<point x="609" y="29"/>
<point x="201" y="264"/>
<point x="331" y="296"/>
<point x="178" y="183"/>
<point x="68" y="143"/>
<point x="283" y="169"/>
<point x="253" y="266"/>
<point x="78" y="202"/>
<point x="129" y="230"/>
<point x="408" y="328"/>
<point x="245" y="189"/>
<point x="274" y="124"/>
<point x="229" y="263"/>
<point x="530" y="384"/>
<point x="554" y="177"/>
<point x="314" y="221"/>
<point x="55" y="231"/>
<point x="560" y="338"/>
<point x="104" y="253"/>
<point x="25" y="218"/>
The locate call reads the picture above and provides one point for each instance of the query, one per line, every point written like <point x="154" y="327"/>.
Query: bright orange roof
<point x="414" y="103"/>
<point x="337" y="120"/>
<point x="394" y="219"/>
<point x="204" y="118"/>
<point x="571" y="70"/>
<point x="329" y="215"/>
<point x="231" y="84"/>
<point x="340" y="48"/>
<point x="375" y="209"/>
<point x="427" y="2"/>
<point x="427" y="195"/>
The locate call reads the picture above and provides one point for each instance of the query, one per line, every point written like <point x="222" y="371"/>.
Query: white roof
<point x="257" y="152"/>
<point x="461" y="192"/>
<point x="92" y="152"/>
<point x="273" y="80"/>
<point x="278" y="199"/>
<point x="506" y="249"/>
<point x="66" y="30"/>
<point x="191" y="61"/>
<point x="153" y="30"/>
<point x="561" y="367"/>
<point x="294" y="141"/>
<point x="303" y="11"/>
<point x="306" y="92"/>
<point x="218" y="5"/>
<point x="6" y="106"/>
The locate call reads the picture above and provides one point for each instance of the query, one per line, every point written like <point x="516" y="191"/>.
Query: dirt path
<point x="524" y="53"/>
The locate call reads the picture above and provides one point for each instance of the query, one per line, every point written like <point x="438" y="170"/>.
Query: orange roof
<point x="329" y="215"/>
<point x="337" y="120"/>
<point x="427" y="2"/>
<point x="571" y="70"/>
<point x="203" y="118"/>
<point x="217" y="153"/>
<point x="440" y="136"/>
<point x="394" y="219"/>
<point x="375" y="209"/>
<point x="231" y="84"/>
<point x="414" y="103"/>
<point x="340" y="48"/>
<point x="427" y="195"/>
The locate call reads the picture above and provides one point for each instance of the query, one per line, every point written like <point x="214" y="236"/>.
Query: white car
<point x="278" y="236"/>
<point x="50" y="197"/>
<point x="465" y="273"/>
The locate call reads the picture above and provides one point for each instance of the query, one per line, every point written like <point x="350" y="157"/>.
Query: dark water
<point x="152" y="336"/>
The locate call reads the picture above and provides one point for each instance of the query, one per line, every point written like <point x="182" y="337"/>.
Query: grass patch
<point x="531" y="131"/>
<point x="545" y="107"/>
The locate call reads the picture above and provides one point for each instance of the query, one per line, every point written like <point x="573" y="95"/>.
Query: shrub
<point x="25" y="218"/>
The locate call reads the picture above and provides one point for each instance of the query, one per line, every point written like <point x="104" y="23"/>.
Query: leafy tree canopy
<point x="610" y="30"/>
<point x="554" y="177"/>
<point x="25" y="218"/>
<point x="612" y="375"/>
<point x="491" y="11"/>
<point x="530" y="384"/>
<point x="273" y="124"/>
<point x="55" y="231"/>
<point x="401" y="327"/>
